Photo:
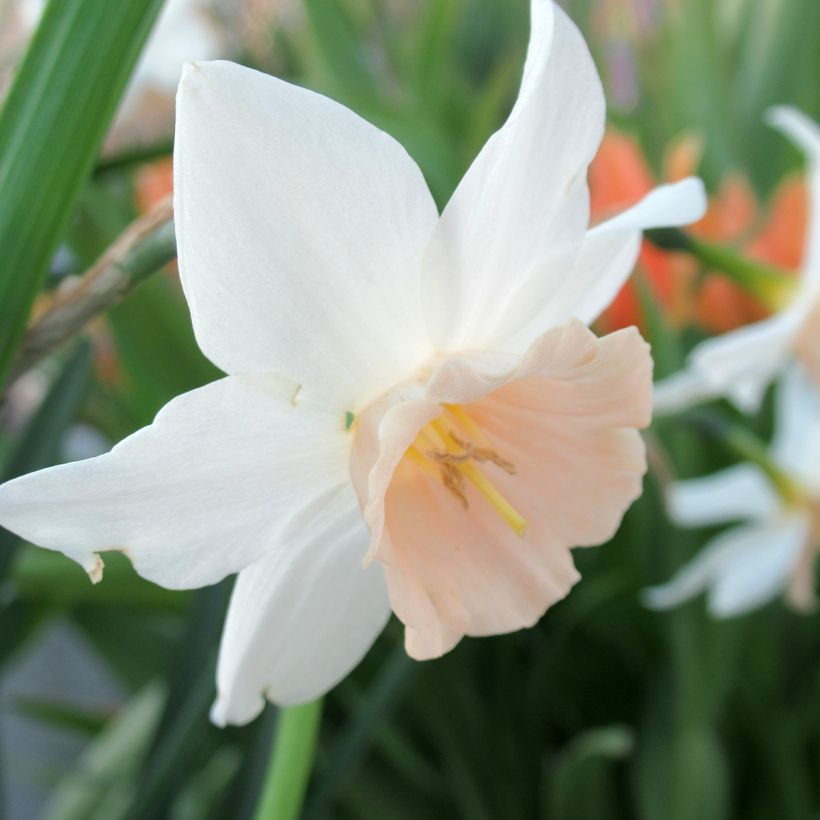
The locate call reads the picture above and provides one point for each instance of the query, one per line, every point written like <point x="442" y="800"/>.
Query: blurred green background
<point x="603" y="710"/>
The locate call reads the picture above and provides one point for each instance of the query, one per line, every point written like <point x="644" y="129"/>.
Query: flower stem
<point x="747" y="446"/>
<point x="291" y="761"/>
<point x="772" y="286"/>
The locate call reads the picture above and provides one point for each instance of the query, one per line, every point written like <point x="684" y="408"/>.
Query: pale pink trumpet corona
<point x="422" y="384"/>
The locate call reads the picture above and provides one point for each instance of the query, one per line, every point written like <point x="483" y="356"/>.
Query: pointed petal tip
<point x="542" y="12"/>
<point x="691" y="193"/>
<point x="720" y="610"/>
<point x="785" y="117"/>
<point x="667" y="206"/>
<point x="425" y="645"/>
<point x="797" y="126"/>
<point x="370" y="556"/>
<point x="195" y="72"/>
<point x="679" y="392"/>
<point x="190" y="74"/>
<point x="218" y="713"/>
<point x="95" y="568"/>
<point x="225" y="713"/>
<point x="775" y="115"/>
<point x="656" y="598"/>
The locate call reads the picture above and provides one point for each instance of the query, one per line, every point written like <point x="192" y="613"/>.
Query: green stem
<point x="773" y="286"/>
<point x="291" y="761"/>
<point x="748" y="447"/>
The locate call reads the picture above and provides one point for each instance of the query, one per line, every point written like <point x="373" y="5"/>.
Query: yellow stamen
<point x="466" y="421"/>
<point x="436" y="434"/>
<point x="443" y="454"/>
<point x="445" y="437"/>
<point x="500" y="504"/>
<point x="417" y="457"/>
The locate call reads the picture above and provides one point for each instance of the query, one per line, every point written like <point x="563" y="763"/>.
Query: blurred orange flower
<point x="619" y="176"/>
<point x="152" y="183"/>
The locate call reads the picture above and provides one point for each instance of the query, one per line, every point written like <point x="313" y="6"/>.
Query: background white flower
<point x="741" y="364"/>
<point x="774" y="547"/>
<point x="184" y="30"/>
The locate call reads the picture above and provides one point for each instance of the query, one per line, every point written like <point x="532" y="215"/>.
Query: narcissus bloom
<point x="774" y="547"/>
<point x="417" y="389"/>
<point x="741" y="364"/>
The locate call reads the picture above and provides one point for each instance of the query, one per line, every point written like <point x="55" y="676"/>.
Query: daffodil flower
<point x="741" y="364"/>
<point x="774" y="547"/>
<point x="417" y="389"/>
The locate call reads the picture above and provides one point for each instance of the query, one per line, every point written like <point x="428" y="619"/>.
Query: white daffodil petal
<point x="796" y="441"/>
<point x="609" y="251"/>
<point x="512" y="230"/>
<point x="801" y="129"/>
<point x="301" y="230"/>
<point x="675" y="204"/>
<point x="743" y="568"/>
<point x="738" y="493"/>
<point x="606" y="260"/>
<point x="302" y="618"/>
<point x="603" y="265"/>
<point x="761" y="564"/>
<point x="696" y="575"/>
<point x="681" y="391"/>
<point x="805" y="133"/>
<point x="739" y="365"/>
<point x="202" y="492"/>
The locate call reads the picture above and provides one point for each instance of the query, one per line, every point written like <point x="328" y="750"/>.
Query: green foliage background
<point x="604" y="710"/>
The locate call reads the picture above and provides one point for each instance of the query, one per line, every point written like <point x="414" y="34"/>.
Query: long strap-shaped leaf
<point x="51" y="128"/>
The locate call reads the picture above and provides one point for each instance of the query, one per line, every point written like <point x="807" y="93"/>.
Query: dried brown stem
<point x="143" y="248"/>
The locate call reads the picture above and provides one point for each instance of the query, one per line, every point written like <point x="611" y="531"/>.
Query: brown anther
<point x="454" y="481"/>
<point x="449" y="458"/>
<point x="506" y="466"/>
<point x="465" y="445"/>
<point x="482" y="454"/>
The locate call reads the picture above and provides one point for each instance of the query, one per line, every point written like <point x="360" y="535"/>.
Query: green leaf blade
<point x="51" y="128"/>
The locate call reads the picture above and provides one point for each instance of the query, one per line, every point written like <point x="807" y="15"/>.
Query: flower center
<point x="450" y="448"/>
